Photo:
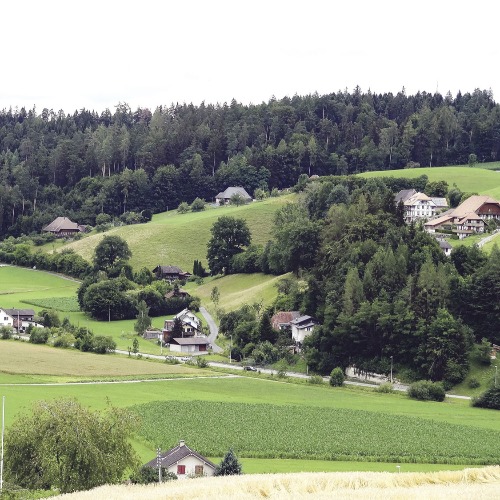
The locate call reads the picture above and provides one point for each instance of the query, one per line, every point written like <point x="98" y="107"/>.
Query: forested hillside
<point x="85" y="163"/>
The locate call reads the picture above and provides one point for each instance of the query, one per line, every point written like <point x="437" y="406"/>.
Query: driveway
<point x="214" y="330"/>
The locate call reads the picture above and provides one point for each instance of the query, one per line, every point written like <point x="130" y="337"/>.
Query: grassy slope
<point x="172" y="238"/>
<point x="477" y="180"/>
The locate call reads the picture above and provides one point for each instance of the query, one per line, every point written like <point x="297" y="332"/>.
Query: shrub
<point x="64" y="340"/>
<point x="484" y="352"/>
<point x="474" y="383"/>
<point x="337" y="377"/>
<point x="146" y="475"/>
<point x="201" y="362"/>
<point x="5" y="332"/>
<point x="315" y="380"/>
<point x="424" y="390"/>
<point x="385" y="388"/>
<point x="103" y="345"/>
<point x="198" y="205"/>
<point x="183" y="208"/>
<point x="489" y="399"/>
<point x="39" y="336"/>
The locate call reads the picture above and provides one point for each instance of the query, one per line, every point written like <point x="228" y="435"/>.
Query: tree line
<point x="86" y="163"/>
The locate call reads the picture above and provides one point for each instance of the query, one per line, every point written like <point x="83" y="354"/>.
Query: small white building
<point x="189" y="344"/>
<point x="184" y="462"/>
<point x="302" y="327"/>
<point x="18" y="319"/>
<point x="224" y="197"/>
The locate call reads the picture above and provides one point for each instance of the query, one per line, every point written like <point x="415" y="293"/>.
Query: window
<point x="198" y="470"/>
<point x="181" y="469"/>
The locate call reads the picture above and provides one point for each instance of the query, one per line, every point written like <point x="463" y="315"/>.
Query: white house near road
<point x="189" y="344"/>
<point x="302" y="327"/>
<point x="184" y="462"/>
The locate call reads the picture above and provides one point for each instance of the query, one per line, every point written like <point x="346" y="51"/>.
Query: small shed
<point x="189" y="344"/>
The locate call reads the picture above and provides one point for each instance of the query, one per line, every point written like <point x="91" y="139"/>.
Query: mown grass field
<point x="42" y="363"/>
<point x="470" y="180"/>
<point x="179" y="239"/>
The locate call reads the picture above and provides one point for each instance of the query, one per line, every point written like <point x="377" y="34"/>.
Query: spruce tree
<point x="229" y="465"/>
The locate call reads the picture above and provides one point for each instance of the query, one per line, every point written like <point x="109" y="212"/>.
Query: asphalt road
<point x="214" y="330"/>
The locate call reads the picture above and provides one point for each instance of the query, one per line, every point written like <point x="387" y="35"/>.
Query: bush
<point x="201" y="362"/>
<point x="183" y="208"/>
<point x="198" y="205"/>
<point x="103" y="345"/>
<point x="489" y="399"/>
<point x="64" y="340"/>
<point x="147" y="475"/>
<point x="39" y="336"/>
<point x="385" y="388"/>
<point x="484" y="352"/>
<point x="5" y="332"/>
<point x="315" y="380"/>
<point x="337" y="377"/>
<point x="474" y="383"/>
<point x="424" y="390"/>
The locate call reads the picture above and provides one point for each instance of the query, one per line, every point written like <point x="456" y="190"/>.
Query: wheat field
<point x="471" y="484"/>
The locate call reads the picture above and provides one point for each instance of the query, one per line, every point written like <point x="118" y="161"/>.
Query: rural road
<point x="214" y="330"/>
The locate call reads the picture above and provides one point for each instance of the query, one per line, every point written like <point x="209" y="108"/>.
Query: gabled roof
<point x="179" y="293"/>
<point x="61" y="224"/>
<point x="469" y="216"/>
<point x="168" y="269"/>
<point x="284" y="317"/>
<point x="439" y="202"/>
<point x="19" y="312"/>
<point x="404" y="195"/>
<point x="191" y="341"/>
<point x="444" y="245"/>
<point x="417" y="197"/>
<point x="439" y="220"/>
<point x="473" y="204"/>
<point x="176" y="454"/>
<point x="230" y="191"/>
<point x="303" y="321"/>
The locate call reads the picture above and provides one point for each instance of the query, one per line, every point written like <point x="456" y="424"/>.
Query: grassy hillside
<point x="179" y="239"/>
<point x="477" y="180"/>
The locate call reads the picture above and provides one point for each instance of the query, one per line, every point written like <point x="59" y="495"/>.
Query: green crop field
<point x="473" y="180"/>
<point x="179" y="239"/>
<point x="262" y="395"/>
<point x="317" y="433"/>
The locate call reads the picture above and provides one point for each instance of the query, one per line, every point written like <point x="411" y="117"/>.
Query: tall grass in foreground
<point x="468" y="483"/>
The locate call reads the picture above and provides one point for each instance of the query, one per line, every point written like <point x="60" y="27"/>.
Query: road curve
<point x="214" y="330"/>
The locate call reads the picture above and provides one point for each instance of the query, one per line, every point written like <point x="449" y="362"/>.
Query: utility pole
<point x="496" y="373"/>
<point x="391" y="369"/>
<point x="158" y="462"/>
<point x="230" y="349"/>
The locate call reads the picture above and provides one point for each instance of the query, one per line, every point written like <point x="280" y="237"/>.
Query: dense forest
<point x="378" y="287"/>
<point x="85" y="163"/>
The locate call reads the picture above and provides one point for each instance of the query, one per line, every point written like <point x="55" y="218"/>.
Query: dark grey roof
<point x="404" y="194"/>
<point x="303" y="321"/>
<point x="20" y="312"/>
<point x="444" y="245"/>
<point x="191" y="341"/>
<point x="169" y="269"/>
<point x="171" y="457"/>
<point x="61" y="224"/>
<point x="230" y="191"/>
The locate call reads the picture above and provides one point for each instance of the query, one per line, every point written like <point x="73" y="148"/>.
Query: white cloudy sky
<point x="69" y="54"/>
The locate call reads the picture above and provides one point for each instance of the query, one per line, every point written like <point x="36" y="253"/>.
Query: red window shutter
<point x="181" y="469"/>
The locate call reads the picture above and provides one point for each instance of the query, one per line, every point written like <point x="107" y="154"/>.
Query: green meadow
<point x="179" y="239"/>
<point x="471" y="180"/>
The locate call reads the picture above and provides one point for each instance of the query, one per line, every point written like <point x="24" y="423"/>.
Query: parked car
<point x="250" y="368"/>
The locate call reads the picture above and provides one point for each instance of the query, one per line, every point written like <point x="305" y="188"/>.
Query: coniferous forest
<point x="85" y="163"/>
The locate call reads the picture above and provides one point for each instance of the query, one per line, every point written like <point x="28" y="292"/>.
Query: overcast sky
<point x="69" y="54"/>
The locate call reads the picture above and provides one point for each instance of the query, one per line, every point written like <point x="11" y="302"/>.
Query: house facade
<point x="189" y="344"/>
<point x="183" y="462"/>
<point x="302" y="327"/>
<point x="18" y="319"/>
<point x="224" y="197"/>
<point x="470" y="217"/>
<point x="419" y="206"/>
<point x="191" y="325"/>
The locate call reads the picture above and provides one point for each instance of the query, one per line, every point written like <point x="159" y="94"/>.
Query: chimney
<point x="181" y="443"/>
